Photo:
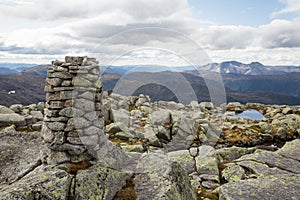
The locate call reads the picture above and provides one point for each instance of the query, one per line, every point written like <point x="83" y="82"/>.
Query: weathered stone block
<point x="60" y="137"/>
<point x="55" y="119"/>
<point x="74" y="140"/>
<point x="92" y="130"/>
<point x="77" y="123"/>
<point x="59" y="69"/>
<point x="74" y="60"/>
<point x="48" y="88"/>
<point x="71" y="112"/>
<point x="87" y="95"/>
<point x="54" y="81"/>
<point x="75" y="133"/>
<point x="85" y="105"/>
<point x="62" y="75"/>
<point x="57" y="63"/>
<point x="91" y="116"/>
<point x="72" y="149"/>
<point x="92" y="140"/>
<point x="79" y="81"/>
<point x="57" y="89"/>
<point x="51" y="113"/>
<point x="66" y="83"/>
<point x="56" y="104"/>
<point x="47" y="134"/>
<point x="56" y="126"/>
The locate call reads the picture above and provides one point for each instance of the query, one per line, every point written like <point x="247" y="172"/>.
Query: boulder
<point x="37" y="115"/>
<point x="273" y="159"/>
<point x="160" y="118"/>
<point x="291" y="150"/>
<point x="117" y="127"/>
<point x="206" y="106"/>
<point x="17" y="108"/>
<point x="269" y="187"/>
<point x="121" y="115"/>
<point x="207" y="165"/>
<point x="205" y="151"/>
<point x="12" y="118"/>
<point x="281" y="133"/>
<point x="233" y="172"/>
<point x="160" y="178"/>
<point x="287" y="111"/>
<point x="5" y="110"/>
<point x="151" y="136"/>
<point x="232" y="153"/>
<point x="182" y="132"/>
<point x="52" y="184"/>
<point x="19" y="150"/>
<point x="99" y="182"/>
<point x="184" y="158"/>
<point x="256" y="169"/>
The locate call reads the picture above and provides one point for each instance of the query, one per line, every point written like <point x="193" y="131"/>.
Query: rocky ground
<point x="172" y="151"/>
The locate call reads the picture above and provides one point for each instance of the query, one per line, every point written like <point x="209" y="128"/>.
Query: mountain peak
<point x="256" y="64"/>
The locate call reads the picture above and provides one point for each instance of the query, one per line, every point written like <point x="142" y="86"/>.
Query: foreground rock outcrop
<point x="226" y="173"/>
<point x="172" y="152"/>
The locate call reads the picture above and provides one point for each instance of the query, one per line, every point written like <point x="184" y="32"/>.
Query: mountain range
<point x="159" y="92"/>
<point x="13" y="68"/>
<point x="228" y="67"/>
<point x="254" y="68"/>
<point x="252" y="82"/>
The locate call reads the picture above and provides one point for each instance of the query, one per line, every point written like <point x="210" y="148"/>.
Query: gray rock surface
<point x="160" y="178"/>
<point x="52" y="184"/>
<point x="98" y="182"/>
<point x="5" y="110"/>
<point x="291" y="150"/>
<point x="18" y="152"/>
<point x="13" y="118"/>
<point x="161" y="150"/>
<point x="273" y="160"/>
<point x="269" y="187"/>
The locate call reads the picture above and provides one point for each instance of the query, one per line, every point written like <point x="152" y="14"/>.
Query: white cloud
<point x="87" y="24"/>
<point x="291" y="6"/>
<point x="56" y="9"/>
<point x="277" y="34"/>
<point x="226" y="37"/>
<point x="82" y="35"/>
<point x="280" y="33"/>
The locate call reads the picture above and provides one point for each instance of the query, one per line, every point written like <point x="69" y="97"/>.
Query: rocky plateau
<point x="169" y="151"/>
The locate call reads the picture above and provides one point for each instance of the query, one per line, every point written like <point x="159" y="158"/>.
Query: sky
<point x="168" y="32"/>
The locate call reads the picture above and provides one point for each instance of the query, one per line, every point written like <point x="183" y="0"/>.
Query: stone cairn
<point x="72" y="123"/>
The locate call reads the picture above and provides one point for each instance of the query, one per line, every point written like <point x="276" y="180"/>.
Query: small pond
<point x="250" y="114"/>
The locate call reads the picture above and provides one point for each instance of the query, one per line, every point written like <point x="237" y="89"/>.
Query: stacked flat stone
<point x="73" y="125"/>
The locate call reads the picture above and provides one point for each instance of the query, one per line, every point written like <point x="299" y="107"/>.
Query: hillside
<point x="286" y="83"/>
<point x="28" y="89"/>
<point x="158" y="92"/>
<point x="39" y="70"/>
<point x="267" y="89"/>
